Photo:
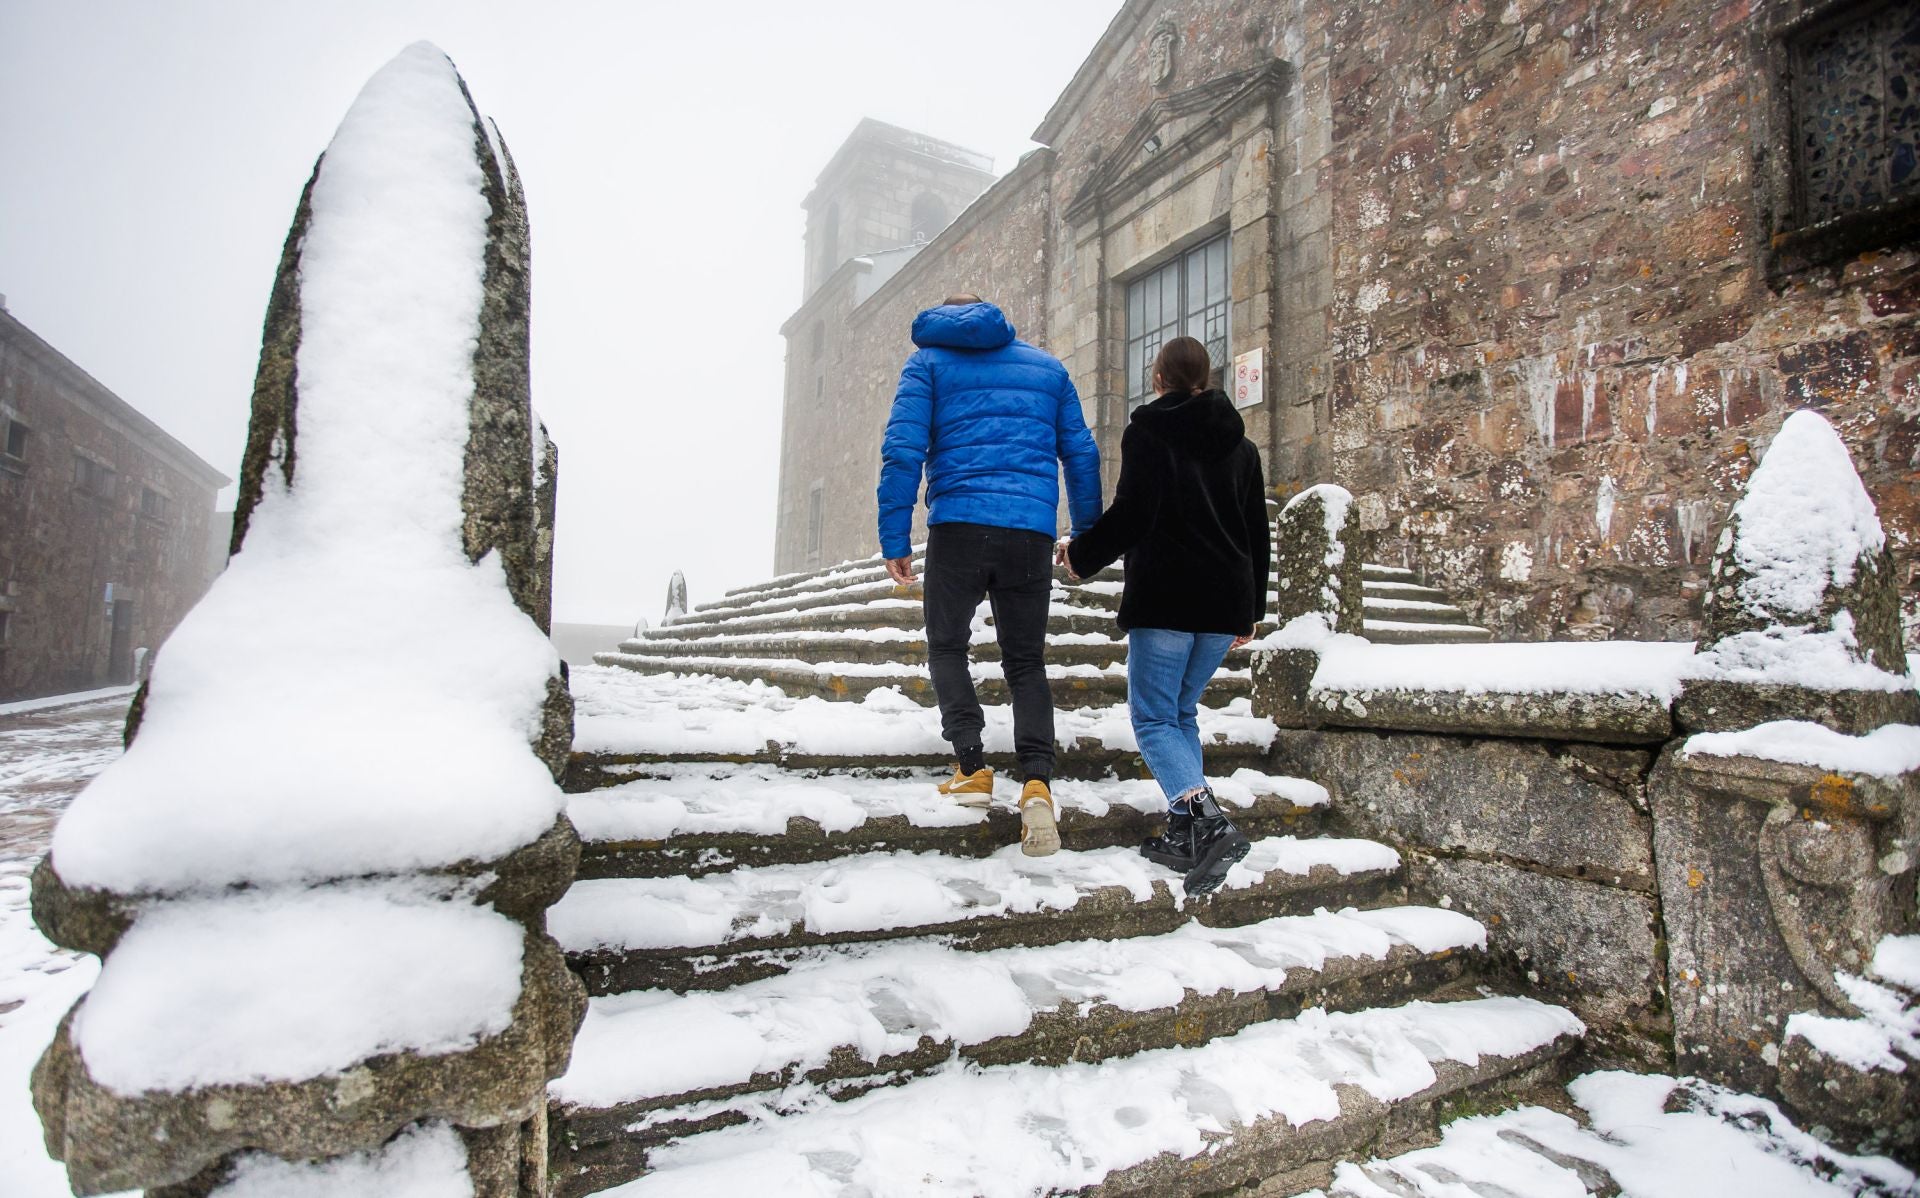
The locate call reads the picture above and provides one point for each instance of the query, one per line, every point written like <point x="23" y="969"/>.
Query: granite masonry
<point x="1535" y="281"/>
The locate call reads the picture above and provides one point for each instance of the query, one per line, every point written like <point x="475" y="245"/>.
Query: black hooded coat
<point x="1190" y="516"/>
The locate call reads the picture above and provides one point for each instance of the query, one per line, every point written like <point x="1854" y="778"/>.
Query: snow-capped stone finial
<point x="1803" y="611"/>
<point x="676" y="598"/>
<point x="318" y="877"/>
<point x="1317" y="559"/>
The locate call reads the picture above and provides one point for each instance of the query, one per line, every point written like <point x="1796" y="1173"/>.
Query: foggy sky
<point x="152" y="151"/>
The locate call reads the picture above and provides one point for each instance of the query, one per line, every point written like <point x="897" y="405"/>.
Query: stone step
<point x="698" y="819"/>
<point x="1376" y="589"/>
<point x="1377" y="572"/>
<point x="724" y="929"/>
<point x="1413" y="611"/>
<point x="881" y="613"/>
<point x="889" y="613"/>
<point x="863" y="592"/>
<point x="1268" y="1109"/>
<point x="1398" y="632"/>
<point x="594" y="770"/>
<point x="846" y="574"/>
<point x="904" y="647"/>
<point x="666" y="1067"/>
<point x="1073" y="686"/>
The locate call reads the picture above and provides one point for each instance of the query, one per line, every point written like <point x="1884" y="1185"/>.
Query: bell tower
<point x="886" y="188"/>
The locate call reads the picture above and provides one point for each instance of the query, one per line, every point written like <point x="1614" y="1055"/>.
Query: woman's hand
<point x="1241" y="641"/>
<point x="1061" y="557"/>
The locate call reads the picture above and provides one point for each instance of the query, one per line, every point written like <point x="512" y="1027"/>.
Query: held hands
<point x="1239" y="641"/>
<point x="900" y="569"/>
<point x="1060" y="557"/>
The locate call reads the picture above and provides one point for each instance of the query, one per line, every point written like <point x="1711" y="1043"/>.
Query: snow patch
<point x="1648" y="668"/>
<point x="277" y="986"/>
<point x="1886" y="752"/>
<point x="427" y="1160"/>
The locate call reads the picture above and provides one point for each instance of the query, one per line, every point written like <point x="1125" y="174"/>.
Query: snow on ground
<point x="351" y="617"/>
<point x="1019" y="1130"/>
<point x="619" y="711"/>
<point x="1653" y="1136"/>
<point x="47" y="753"/>
<point x="881" y="1000"/>
<point x="697" y="798"/>
<point x="882" y="891"/>
<point x="1886" y="752"/>
<point x="73" y="699"/>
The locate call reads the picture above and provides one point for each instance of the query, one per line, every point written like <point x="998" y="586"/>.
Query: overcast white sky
<point x="152" y="151"/>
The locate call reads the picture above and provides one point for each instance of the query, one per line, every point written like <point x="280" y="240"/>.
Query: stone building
<point x="1536" y="281"/>
<point x="103" y="525"/>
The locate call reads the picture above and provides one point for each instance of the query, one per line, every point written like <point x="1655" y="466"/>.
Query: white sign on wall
<point x="1249" y="379"/>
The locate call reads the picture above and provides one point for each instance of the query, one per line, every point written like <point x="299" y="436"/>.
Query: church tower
<point x="887" y="188"/>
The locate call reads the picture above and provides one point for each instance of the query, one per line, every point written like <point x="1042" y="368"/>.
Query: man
<point x="992" y="419"/>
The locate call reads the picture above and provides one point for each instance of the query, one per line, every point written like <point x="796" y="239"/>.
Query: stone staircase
<point x="758" y="980"/>
<point x="845" y="631"/>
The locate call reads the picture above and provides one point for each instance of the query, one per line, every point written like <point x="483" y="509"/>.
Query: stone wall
<point x="62" y="544"/>
<point x="1514" y="266"/>
<point x="1556" y="351"/>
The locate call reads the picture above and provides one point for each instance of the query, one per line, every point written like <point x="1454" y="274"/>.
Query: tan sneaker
<point x="1039" y="831"/>
<point x="970" y="790"/>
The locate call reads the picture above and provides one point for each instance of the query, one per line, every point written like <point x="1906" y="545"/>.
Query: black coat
<point x="1190" y="515"/>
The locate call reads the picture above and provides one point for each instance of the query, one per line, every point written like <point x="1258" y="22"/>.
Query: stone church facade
<point x="1537" y="281"/>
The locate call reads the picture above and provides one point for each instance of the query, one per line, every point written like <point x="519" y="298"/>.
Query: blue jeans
<point x="1166" y="671"/>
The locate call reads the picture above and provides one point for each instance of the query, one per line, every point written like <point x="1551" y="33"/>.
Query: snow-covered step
<point x="869" y="1014"/>
<point x="1378" y="589"/>
<point x="1401" y="632"/>
<point x="722" y="929"/>
<point x="627" y="724"/>
<point x="1412" y="611"/>
<point x="876" y="613"/>
<point x="1637" y="1134"/>
<point x="1072" y="685"/>
<point x="1375" y="571"/>
<point x="871" y="645"/>
<point x="863" y="592"/>
<point x="1273" y="1101"/>
<point x="699" y="818"/>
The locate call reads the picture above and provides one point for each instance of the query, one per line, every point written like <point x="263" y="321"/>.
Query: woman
<point x="1190" y="515"/>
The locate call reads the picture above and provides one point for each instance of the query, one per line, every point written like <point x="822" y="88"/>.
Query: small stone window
<point x="816" y="520"/>
<point x="1851" y="115"/>
<point x="929" y="217"/>
<point x="153" y="505"/>
<point x="5" y="617"/>
<point x="92" y="478"/>
<point x="17" y="440"/>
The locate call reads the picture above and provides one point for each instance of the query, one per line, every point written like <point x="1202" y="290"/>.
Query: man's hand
<point x="900" y="569"/>
<point x="1060" y="557"/>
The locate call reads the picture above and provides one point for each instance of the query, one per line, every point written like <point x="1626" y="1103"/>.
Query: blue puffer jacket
<point x="991" y="418"/>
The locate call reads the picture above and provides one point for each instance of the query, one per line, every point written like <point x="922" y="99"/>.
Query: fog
<point x="153" y="153"/>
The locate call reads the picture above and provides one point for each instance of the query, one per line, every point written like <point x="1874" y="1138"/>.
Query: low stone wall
<point x="1547" y="842"/>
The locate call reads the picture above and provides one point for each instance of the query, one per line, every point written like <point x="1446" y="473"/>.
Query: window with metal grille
<point x="1855" y="96"/>
<point x="1185" y="298"/>
<point x="91" y="477"/>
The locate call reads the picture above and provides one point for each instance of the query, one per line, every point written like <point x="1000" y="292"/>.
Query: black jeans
<point x="1012" y="568"/>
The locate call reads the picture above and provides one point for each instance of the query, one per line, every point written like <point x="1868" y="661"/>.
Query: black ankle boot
<point x="1175" y="849"/>
<point x="1217" y="844"/>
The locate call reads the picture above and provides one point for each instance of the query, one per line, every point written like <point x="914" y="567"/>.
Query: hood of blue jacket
<point x="962" y="326"/>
